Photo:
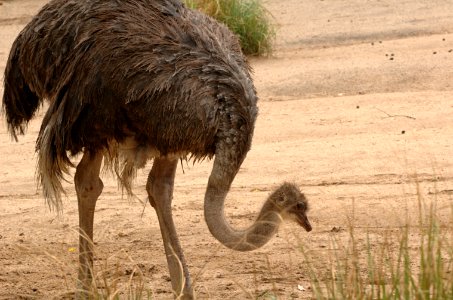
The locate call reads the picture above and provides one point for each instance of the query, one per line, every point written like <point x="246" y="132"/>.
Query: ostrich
<point x="129" y="81"/>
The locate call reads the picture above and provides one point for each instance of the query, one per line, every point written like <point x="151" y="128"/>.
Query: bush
<point x="248" y="19"/>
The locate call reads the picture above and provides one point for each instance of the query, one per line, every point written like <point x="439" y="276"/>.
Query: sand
<point x="356" y="107"/>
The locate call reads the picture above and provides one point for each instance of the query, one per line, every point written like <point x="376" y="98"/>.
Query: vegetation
<point x="248" y="19"/>
<point x="414" y="261"/>
<point x="390" y="268"/>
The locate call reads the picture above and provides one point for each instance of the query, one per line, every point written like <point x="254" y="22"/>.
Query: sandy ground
<point x="356" y="100"/>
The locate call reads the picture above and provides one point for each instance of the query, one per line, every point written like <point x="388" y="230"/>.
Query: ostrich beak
<point x="303" y="221"/>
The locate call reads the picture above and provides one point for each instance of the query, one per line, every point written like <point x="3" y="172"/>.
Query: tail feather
<point x="53" y="164"/>
<point x="53" y="160"/>
<point x="19" y="101"/>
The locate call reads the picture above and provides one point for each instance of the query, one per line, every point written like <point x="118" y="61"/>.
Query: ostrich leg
<point x="88" y="188"/>
<point x="160" y="191"/>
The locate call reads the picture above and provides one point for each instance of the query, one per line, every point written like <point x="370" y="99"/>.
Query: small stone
<point x="403" y="131"/>
<point x="152" y="269"/>
<point x="161" y="291"/>
<point x="128" y="271"/>
<point x="336" y="229"/>
<point x="435" y="52"/>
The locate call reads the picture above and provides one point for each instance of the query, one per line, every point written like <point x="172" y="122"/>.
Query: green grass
<point x="248" y="19"/>
<point x="413" y="262"/>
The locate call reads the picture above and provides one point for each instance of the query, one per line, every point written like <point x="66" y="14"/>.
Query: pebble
<point x="336" y="229"/>
<point x="128" y="271"/>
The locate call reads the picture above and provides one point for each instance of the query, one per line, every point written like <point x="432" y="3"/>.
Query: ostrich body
<point x="132" y="80"/>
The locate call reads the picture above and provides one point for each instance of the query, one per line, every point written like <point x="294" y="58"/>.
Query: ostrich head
<point x="291" y="204"/>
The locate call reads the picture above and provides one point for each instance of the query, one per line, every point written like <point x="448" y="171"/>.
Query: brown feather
<point x="171" y="78"/>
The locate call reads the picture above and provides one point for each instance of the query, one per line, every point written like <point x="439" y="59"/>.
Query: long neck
<point x="257" y="235"/>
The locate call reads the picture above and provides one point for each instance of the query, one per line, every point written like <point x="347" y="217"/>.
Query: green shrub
<point x="248" y="19"/>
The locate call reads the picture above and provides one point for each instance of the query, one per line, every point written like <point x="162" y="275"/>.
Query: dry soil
<point x="356" y="105"/>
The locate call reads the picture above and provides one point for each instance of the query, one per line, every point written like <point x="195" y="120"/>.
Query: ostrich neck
<point x="257" y="235"/>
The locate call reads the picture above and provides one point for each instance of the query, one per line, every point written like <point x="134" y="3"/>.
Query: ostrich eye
<point x="281" y="200"/>
<point x="300" y="206"/>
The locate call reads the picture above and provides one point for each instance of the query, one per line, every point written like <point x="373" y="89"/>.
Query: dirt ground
<point x="356" y="100"/>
